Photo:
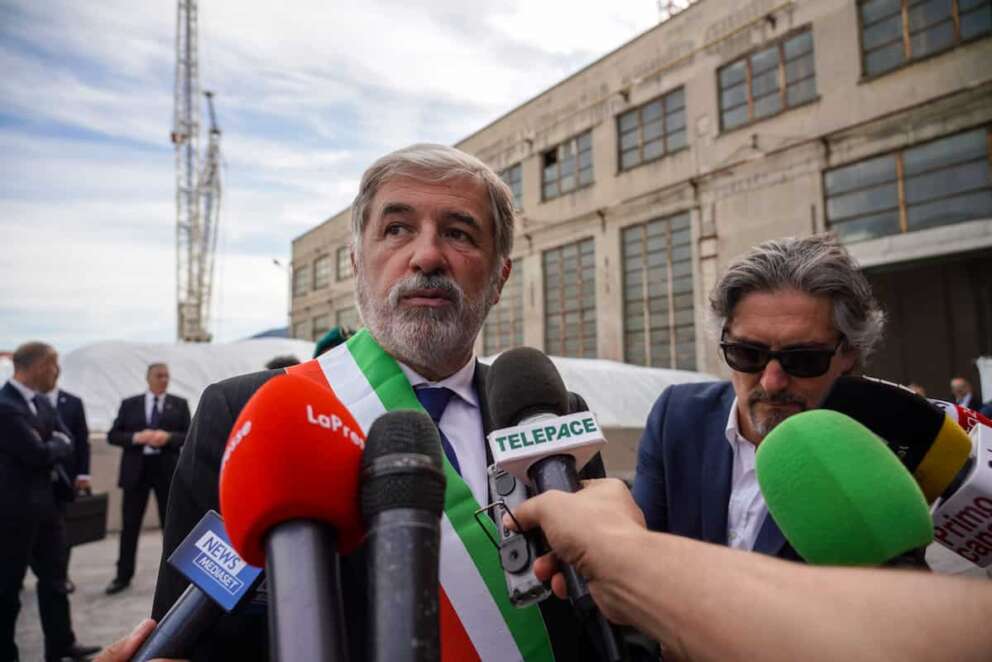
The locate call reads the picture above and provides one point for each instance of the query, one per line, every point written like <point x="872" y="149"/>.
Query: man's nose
<point x="428" y="254"/>
<point x="773" y="378"/>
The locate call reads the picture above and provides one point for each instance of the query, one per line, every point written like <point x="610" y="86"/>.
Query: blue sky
<point x="308" y="93"/>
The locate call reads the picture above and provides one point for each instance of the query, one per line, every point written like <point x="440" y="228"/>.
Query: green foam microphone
<point x="838" y="494"/>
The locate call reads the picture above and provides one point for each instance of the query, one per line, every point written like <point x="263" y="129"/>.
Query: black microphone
<point x="538" y="440"/>
<point x="402" y="495"/>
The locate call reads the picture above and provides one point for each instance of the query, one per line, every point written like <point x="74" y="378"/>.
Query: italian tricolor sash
<point x="477" y="620"/>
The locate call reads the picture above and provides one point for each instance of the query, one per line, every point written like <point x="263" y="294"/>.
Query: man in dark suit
<point x="34" y="450"/>
<point x="151" y="428"/>
<point x="73" y="415"/>
<point x="793" y="316"/>
<point x="433" y="232"/>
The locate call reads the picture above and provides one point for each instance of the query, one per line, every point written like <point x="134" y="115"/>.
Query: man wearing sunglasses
<point x="793" y="316"/>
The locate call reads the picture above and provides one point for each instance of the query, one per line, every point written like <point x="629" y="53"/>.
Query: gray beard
<point x="422" y="336"/>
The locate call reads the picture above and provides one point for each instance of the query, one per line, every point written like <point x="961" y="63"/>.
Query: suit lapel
<point x="770" y="539"/>
<point x="717" y="473"/>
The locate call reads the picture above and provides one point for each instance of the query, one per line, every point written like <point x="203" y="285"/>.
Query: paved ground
<point x="97" y="619"/>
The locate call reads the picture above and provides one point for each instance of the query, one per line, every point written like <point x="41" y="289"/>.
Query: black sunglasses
<point x="800" y="362"/>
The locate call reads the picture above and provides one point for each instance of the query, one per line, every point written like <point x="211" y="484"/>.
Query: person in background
<point x="918" y="389"/>
<point x="962" y="393"/>
<point x="151" y="428"/>
<point x="283" y="361"/>
<point x="73" y="415"/>
<point x="334" y="337"/>
<point x="34" y="451"/>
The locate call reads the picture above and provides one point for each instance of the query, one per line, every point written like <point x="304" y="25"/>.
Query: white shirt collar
<point x="732" y="431"/>
<point x="27" y="393"/>
<point x="460" y="382"/>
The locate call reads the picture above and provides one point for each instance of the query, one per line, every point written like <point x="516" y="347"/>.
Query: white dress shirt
<point x="747" y="510"/>
<point x="462" y="424"/>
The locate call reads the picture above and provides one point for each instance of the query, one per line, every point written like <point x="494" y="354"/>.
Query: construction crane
<point x="198" y="186"/>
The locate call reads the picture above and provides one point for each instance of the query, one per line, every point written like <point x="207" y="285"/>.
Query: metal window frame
<point x="559" y="310"/>
<point x="557" y="179"/>
<point x="779" y="43"/>
<point x="639" y="128"/>
<point x="899" y="155"/>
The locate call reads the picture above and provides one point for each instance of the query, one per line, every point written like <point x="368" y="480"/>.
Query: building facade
<point x="639" y="178"/>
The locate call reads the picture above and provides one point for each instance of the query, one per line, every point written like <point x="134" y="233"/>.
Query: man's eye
<point x="459" y="235"/>
<point x="394" y="229"/>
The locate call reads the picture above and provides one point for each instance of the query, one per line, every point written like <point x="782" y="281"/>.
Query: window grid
<point x="300" y="330"/>
<point x="570" y="300"/>
<point x="513" y="176"/>
<point x="567" y="167"/>
<point x="321" y="325"/>
<point x="768" y="81"/>
<point x="504" y="328"/>
<point x="940" y="182"/>
<point x="322" y="272"/>
<point x="301" y="278"/>
<point x="348" y="318"/>
<point x="659" y="318"/>
<point x="652" y="130"/>
<point x="344" y="268"/>
<point x="896" y="32"/>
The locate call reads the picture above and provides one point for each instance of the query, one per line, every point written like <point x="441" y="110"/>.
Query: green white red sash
<point x="477" y="620"/>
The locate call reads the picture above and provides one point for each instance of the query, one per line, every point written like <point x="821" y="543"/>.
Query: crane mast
<point x="198" y="186"/>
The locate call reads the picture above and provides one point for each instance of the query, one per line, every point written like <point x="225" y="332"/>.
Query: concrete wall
<point x="743" y="186"/>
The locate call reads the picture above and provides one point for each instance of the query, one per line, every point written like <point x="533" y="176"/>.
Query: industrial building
<point x="640" y="177"/>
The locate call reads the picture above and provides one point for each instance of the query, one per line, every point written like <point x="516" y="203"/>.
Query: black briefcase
<point x="86" y="519"/>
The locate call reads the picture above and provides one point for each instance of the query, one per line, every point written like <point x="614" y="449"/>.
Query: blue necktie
<point x="154" y="418"/>
<point x="435" y="399"/>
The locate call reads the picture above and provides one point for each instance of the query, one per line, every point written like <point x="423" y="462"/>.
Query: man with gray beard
<point x="792" y="316"/>
<point x="432" y="232"/>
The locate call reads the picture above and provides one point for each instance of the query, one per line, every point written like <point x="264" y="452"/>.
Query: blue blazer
<point x="685" y="466"/>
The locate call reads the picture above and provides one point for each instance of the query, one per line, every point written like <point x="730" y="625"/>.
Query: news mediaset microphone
<point x="289" y="496"/>
<point x="930" y="443"/>
<point x="220" y="581"/>
<point x="402" y="495"/>
<point x="838" y="494"/>
<point x="539" y="442"/>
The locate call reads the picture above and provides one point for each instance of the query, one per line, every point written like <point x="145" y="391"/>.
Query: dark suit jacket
<point x="28" y="455"/>
<point x="131" y="418"/>
<point x="243" y="636"/>
<point x="73" y="415"/>
<point x="685" y="467"/>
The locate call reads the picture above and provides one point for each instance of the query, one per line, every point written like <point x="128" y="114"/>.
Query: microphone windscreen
<point x="523" y="382"/>
<point x="837" y="493"/>
<point x="402" y="466"/>
<point x="293" y="453"/>
<point x="928" y="443"/>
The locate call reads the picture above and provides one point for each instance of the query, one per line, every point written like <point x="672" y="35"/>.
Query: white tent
<point x="104" y="373"/>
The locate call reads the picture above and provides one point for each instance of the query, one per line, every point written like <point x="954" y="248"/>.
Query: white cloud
<point x="308" y="94"/>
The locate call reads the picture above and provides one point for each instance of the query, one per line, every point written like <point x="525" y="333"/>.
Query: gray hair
<point x="435" y="163"/>
<point x="818" y="265"/>
<point x="30" y="353"/>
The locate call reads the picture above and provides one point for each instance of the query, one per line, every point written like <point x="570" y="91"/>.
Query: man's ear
<point x="504" y="275"/>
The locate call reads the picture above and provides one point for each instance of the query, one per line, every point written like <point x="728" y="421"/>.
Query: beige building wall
<point x="740" y="187"/>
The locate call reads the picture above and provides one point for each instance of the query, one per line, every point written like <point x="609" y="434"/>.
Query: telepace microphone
<point x="289" y="496"/>
<point x="540" y="443"/>
<point x="402" y="495"/>
<point x="838" y="494"/>
<point x="930" y="443"/>
<point x="220" y="581"/>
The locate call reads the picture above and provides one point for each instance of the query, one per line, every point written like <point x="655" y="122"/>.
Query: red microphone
<point x="289" y="497"/>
